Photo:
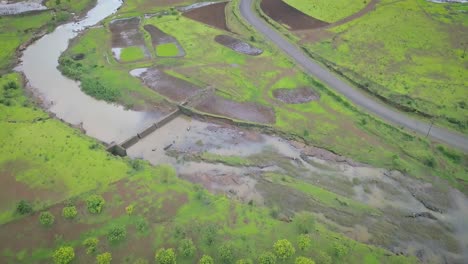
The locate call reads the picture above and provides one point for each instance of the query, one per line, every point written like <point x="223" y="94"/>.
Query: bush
<point x="244" y="261"/>
<point x="303" y="242"/>
<point x="225" y="253"/>
<point x="129" y="209"/>
<point x="304" y="222"/>
<point x="91" y="245"/>
<point x="104" y="258"/>
<point x="339" y="250"/>
<point x="186" y="247"/>
<point x="267" y="258"/>
<point x="323" y="258"/>
<point x="116" y="234"/>
<point x="95" y="203"/>
<point x="140" y="261"/>
<point x="69" y="212"/>
<point x="206" y="260"/>
<point x="63" y="255"/>
<point x="24" y="207"/>
<point x="96" y="89"/>
<point x="165" y="256"/>
<point x="209" y="234"/>
<point x="283" y="249"/>
<point x="46" y="219"/>
<point x="304" y="260"/>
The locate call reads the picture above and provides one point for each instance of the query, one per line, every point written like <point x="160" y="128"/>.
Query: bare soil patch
<point x="167" y="85"/>
<point x="295" y="96"/>
<point x="290" y="16"/>
<point x="212" y="15"/>
<point x="158" y="37"/>
<point x="244" y="111"/>
<point x="238" y="45"/>
<point x="125" y="33"/>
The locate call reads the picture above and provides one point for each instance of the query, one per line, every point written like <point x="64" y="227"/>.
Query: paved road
<point x="383" y="111"/>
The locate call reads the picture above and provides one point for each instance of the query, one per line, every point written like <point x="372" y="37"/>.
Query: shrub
<point x="304" y="260"/>
<point x="129" y="209"/>
<point x="209" y="234"/>
<point x="339" y="249"/>
<point x="283" y="249"/>
<point x="116" y="234"/>
<point x="91" y="245"/>
<point x="104" y="258"/>
<point x="225" y="253"/>
<point x="165" y="256"/>
<point x="95" y="203"/>
<point x="267" y="258"/>
<point x="186" y="247"/>
<point x="46" y="219"/>
<point x="140" y="261"/>
<point x="63" y="255"/>
<point x="303" y="242"/>
<point x="69" y="212"/>
<point x="206" y="260"/>
<point x="304" y="222"/>
<point x="24" y="207"/>
<point x="244" y="261"/>
<point x="96" y="89"/>
<point x="323" y="258"/>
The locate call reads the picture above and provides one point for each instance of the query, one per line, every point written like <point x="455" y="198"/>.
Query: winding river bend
<point x="101" y="120"/>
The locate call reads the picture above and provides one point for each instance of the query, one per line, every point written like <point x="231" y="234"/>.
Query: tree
<point x="304" y="222"/>
<point x="95" y="203"/>
<point x="283" y="249"/>
<point x="46" y="218"/>
<point x="303" y="242"/>
<point x="91" y="245"/>
<point x="186" y="247"/>
<point x="63" y="255"/>
<point x="226" y="253"/>
<point x="24" y="207"/>
<point x="104" y="258"/>
<point x="322" y="258"/>
<point x="206" y="260"/>
<point x="165" y="256"/>
<point x="267" y="258"/>
<point x="116" y="234"/>
<point x="244" y="261"/>
<point x="69" y="212"/>
<point x="304" y="260"/>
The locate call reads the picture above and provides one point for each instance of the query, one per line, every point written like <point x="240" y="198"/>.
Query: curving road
<point x="357" y="97"/>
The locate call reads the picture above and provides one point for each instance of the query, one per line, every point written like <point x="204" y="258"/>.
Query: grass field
<point x="417" y="61"/>
<point x="132" y="54"/>
<point x="328" y="11"/>
<point x="167" y="50"/>
<point x="76" y="6"/>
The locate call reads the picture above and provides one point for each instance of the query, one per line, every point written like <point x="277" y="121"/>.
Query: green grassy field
<point x="77" y="6"/>
<point x="132" y="54"/>
<point x="328" y="11"/>
<point x="167" y="50"/>
<point x="417" y="61"/>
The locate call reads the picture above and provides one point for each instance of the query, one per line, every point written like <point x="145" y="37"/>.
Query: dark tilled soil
<point x="238" y="45"/>
<point x="125" y="33"/>
<point x="166" y="85"/>
<point x="243" y="111"/>
<point x="295" y="96"/>
<point x="212" y="15"/>
<point x="288" y="15"/>
<point x="158" y="36"/>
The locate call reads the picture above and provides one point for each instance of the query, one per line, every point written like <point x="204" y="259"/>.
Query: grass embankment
<point x="328" y="11"/>
<point x="331" y="122"/>
<point x="416" y="62"/>
<point x="146" y="208"/>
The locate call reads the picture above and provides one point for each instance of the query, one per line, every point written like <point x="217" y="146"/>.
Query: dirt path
<point x="370" y="104"/>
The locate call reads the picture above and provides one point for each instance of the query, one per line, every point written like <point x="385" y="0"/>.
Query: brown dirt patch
<point x="125" y="33"/>
<point x="290" y="16"/>
<point x="295" y="96"/>
<point x="213" y="15"/>
<point x="167" y="85"/>
<point x="242" y="111"/>
<point x="238" y="45"/>
<point x="158" y="37"/>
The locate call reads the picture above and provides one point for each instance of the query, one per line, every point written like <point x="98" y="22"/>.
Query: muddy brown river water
<point x="405" y="215"/>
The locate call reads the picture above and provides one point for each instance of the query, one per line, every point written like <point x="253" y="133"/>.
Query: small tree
<point x="186" y="247"/>
<point x="244" y="261"/>
<point x="46" y="218"/>
<point x="91" y="245"/>
<point x="129" y="209"/>
<point x="206" y="260"/>
<point x="63" y="255"/>
<point x="283" y="249"/>
<point x="95" y="203"/>
<point x="24" y="207"/>
<point x="165" y="256"/>
<point x="267" y="258"/>
<point x="69" y="212"/>
<point x="339" y="249"/>
<point x="116" y="234"/>
<point x="304" y="222"/>
<point x="226" y="254"/>
<point x="303" y="242"/>
<point x="304" y="260"/>
<point x="104" y="258"/>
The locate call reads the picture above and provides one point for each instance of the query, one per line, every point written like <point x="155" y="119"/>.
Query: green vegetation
<point x="167" y="50"/>
<point x="303" y="260"/>
<point x="95" y="203"/>
<point x="131" y="54"/>
<point x="104" y="258"/>
<point x="64" y="255"/>
<point x="46" y="218"/>
<point x="69" y="212"/>
<point x="165" y="256"/>
<point x="91" y="245"/>
<point x="267" y="258"/>
<point x="116" y="234"/>
<point x="77" y="6"/>
<point x="303" y="241"/>
<point x="205" y="259"/>
<point x="329" y="11"/>
<point x="186" y="247"/>
<point x="284" y="249"/>
<point x="24" y="207"/>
